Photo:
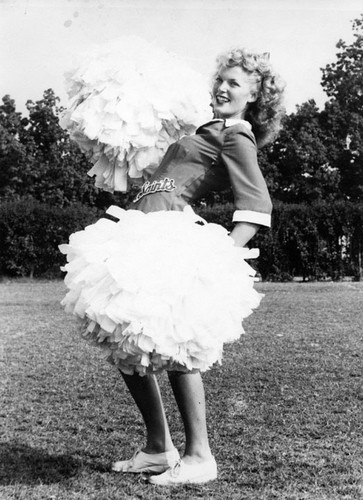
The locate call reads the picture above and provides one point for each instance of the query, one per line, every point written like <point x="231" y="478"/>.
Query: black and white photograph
<point x="181" y="249"/>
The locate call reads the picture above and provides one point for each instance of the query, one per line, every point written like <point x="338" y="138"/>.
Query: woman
<point x="171" y="291"/>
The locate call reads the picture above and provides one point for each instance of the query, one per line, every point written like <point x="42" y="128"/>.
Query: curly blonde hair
<point x="264" y="114"/>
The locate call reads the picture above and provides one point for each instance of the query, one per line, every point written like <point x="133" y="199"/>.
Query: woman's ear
<point x="253" y="97"/>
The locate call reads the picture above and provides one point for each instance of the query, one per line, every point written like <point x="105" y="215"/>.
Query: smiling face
<point x="233" y="89"/>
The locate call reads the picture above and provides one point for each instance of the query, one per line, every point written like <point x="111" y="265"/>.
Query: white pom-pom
<point x="129" y="101"/>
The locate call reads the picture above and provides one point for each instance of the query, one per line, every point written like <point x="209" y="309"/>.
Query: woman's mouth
<point x="222" y="99"/>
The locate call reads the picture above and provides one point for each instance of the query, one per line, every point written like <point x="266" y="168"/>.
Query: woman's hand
<point x="243" y="232"/>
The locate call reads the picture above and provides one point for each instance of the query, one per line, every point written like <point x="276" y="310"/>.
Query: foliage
<point x="303" y="172"/>
<point x="343" y="79"/>
<point x="38" y="160"/>
<point x="319" y="153"/>
<point x="30" y="233"/>
<point x="343" y="82"/>
<point x="12" y="151"/>
<point x="313" y="241"/>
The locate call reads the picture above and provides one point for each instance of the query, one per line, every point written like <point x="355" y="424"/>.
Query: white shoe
<point x="183" y="473"/>
<point x="147" y="462"/>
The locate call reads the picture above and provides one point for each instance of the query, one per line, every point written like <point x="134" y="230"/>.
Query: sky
<point x="39" y="39"/>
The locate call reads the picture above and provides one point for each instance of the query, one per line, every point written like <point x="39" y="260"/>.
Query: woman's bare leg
<point x="146" y="394"/>
<point x="189" y="394"/>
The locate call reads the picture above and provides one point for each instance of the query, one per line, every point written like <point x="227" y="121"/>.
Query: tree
<point x="343" y="114"/>
<point x="59" y="175"/>
<point x="12" y="151"/>
<point x="343" y="80"/>
<point x="297" y="166"/>
<point x="319" y="154"/>
<point x="38" y="160"/>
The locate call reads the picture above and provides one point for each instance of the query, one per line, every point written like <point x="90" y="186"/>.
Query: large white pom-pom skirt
<point x="158" y="290"/>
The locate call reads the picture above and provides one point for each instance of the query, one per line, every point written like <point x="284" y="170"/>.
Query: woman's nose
<point x="223" y="86"/>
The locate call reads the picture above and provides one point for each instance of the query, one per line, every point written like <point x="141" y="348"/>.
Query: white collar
<point x="233" y="121"/>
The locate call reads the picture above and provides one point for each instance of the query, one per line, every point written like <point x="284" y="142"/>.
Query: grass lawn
<point x="285" y="410"/>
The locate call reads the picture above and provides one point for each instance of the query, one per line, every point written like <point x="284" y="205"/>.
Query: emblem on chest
<point x="166" y="185"/>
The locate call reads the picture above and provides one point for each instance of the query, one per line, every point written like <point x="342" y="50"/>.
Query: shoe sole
<point x="156" y="469"/>
<point x="197" y="480"/>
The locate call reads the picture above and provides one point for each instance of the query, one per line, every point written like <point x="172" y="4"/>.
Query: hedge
<point x="316" y="241"/>
<point x="30" y="233"/>
<point x="312" y="241"/>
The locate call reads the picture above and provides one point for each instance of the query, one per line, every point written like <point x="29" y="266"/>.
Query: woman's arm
<point x="251" y="197"/>
<point x="243" y="232"/>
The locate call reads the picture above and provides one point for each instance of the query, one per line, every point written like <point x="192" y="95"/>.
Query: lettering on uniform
<point x="166" y="185"/>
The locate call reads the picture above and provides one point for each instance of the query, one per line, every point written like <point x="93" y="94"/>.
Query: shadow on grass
<point x="20" y="463"/>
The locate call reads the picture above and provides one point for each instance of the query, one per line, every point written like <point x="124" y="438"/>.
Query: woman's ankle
<point x="155" y="448"/>
<point x="197" y="456"/>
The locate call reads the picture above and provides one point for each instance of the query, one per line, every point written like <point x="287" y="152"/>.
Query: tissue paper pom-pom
<point x="153" y="295"/>
<point x="129" y="100"/>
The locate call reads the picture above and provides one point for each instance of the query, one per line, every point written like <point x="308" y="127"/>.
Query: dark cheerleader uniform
<point x="221" y="153"/>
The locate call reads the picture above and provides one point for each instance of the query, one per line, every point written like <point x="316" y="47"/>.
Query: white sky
<point x="38" y="38"/>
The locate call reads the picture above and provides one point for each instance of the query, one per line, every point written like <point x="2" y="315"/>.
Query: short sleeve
<point x="251" y="197"/>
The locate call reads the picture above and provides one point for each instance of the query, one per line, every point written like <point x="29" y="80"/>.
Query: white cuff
<point x="252" y="217"/>
<point x="115" y="211"/>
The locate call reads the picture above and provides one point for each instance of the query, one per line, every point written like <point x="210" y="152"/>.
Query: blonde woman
<point x="173" y="289"/>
